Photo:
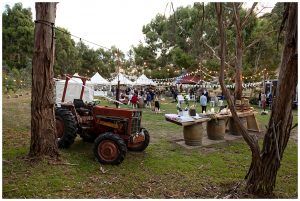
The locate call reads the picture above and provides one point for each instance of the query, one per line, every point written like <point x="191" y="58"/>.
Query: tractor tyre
<point x="142" y="145"/>
<point x="110" y="149"/>
<point x="66" y="127"/>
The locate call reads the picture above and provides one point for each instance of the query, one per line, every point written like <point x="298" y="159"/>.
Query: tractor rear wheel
<point x="110" y="149"/>
<point x="141" y="146"/>
<point x="66" y="127"/>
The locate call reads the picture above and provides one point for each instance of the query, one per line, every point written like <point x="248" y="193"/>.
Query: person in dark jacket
<point x="148" y="100"/>
<point x="156" y="105"/>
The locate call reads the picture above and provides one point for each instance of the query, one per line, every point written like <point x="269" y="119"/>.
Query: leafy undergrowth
<point x="163" y="170"/>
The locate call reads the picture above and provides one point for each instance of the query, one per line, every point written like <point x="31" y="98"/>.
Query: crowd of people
<point x="145" y="97"/>
<point x="148" y="97"/>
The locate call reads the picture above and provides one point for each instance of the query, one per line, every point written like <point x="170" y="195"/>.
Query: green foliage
<point x="173" y="43"/>
<point x="17" y="35"/>
<point x="18" y="32"/>
<point x="66" y="53"/>
<point x="182" y="59"/>
<point x="179" y="39"/>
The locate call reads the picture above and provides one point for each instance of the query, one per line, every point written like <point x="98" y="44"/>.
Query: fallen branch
<point x="6" y="161"/>
<point x="102" y="170"/>
<point x="14" y="189"/>
<point x="61" y="163"/>
<point x="296" y="124"/>
<point x="227" y="196"/>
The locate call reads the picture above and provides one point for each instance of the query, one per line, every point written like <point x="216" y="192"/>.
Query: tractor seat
<point x="78" y="103"/>
<point x="80" y="107"/>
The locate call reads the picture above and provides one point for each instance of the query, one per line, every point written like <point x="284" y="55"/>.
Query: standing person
<point x="152" y="94"/>
<point x="180" y="88"/>
<point x="263" y="101"/>
<point x="203" y="102"/>
<point x="191" y="93"/>
<point x="134" y="100"/>
<point x="269" y="99"/>
<point x="175" y="95"/>
<point x="206" y="94"/>
<point x="148" y="99"/>
<point x="129" y="97"/>
<point x="113" y="91"/>
<point x="142" y="92"/>
<point x="156" y="105"/>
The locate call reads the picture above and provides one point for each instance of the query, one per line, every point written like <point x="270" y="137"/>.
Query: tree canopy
<point x="189" y="37"/>
<point x="180" y="42"/>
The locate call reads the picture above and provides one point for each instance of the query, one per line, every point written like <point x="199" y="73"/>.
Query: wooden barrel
<point x="216" y="129"/>
<point x="193" y="134"/>
<point x="233" y="127"/>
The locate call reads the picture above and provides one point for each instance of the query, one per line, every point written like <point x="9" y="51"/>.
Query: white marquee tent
<point x="143" y="80"/>
<point x="98" y="79"/>
<point x="123" y="80"/>
<point x="74" y="90"/>
<point x="99" y="83"/>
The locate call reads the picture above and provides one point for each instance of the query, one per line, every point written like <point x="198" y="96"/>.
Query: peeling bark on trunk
<point x="43" y="139"/>
<point x="239" y="53"/>
<point x="262" y="178"/>
<point x="262" y="173"/>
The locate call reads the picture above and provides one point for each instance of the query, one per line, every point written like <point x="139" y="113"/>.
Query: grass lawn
<point x="163" y="170"/>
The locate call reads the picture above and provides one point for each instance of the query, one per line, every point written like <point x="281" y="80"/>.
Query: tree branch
<point x="251" y="141"/>
<point x="214" y="52"/>
<point x="259" y="39"/>
<point x="248" y="15"/>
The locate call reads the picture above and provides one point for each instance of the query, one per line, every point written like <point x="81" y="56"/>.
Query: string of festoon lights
<point x="208" y="73"/>
<point x="250" y="77"/>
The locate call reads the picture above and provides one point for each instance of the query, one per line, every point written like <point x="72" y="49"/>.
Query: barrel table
<point x="216" y="129"/>
<point x="248" y="120"/>
<point x="192" y="131"/>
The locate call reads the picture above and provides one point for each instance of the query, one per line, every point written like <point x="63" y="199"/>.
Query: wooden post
<point x="43" y="138"/>
<point x="65" y="90"/>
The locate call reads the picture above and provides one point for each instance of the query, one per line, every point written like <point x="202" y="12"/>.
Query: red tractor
<point x="113" y="130"/>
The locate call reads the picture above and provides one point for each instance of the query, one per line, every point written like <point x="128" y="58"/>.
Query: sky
<point x="109" y="22"/>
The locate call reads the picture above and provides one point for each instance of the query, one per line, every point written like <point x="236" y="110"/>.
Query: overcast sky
<point x="108" y="22"/>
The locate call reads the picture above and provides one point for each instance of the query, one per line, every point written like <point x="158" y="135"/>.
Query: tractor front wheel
<point x="110" y="149"/>
<point x="141" y="146"/>
<point x="65" y="127"/>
